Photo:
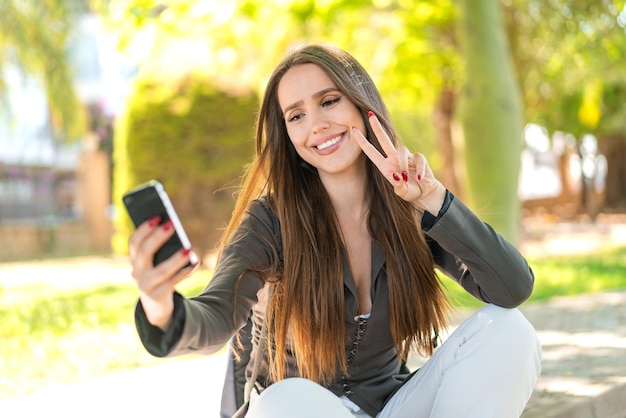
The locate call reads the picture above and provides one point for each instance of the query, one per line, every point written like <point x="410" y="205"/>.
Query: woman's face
<point x="319" y="118"/>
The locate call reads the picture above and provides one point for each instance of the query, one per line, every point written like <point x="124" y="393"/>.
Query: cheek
<point x="296" y="135"/>
<point x="298" y="141"/>
<point x="353" y="114"/>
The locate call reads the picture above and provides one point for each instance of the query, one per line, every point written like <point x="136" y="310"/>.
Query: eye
<point x="329" y="101"/>
<point x="295" y="117"/>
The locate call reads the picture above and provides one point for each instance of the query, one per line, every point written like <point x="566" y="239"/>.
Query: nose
<point x="319" y="122"/>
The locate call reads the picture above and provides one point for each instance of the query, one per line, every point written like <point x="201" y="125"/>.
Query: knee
<point x="288" y="389"/>
<point x="508" y="320"/>
<point x="510" y="329"/>
<point x="295" y="397"/>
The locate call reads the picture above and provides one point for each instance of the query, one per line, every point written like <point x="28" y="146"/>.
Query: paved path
<point x="584" y="366"/>
<point x="584" y="357"/>
<point x="583" y="337"/>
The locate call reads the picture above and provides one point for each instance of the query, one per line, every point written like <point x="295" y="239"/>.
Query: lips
<point x="329" y="143"/>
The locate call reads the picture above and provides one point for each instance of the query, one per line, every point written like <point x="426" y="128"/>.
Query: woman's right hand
<point x="409" y="174"/>
<point x="156" y="283"/>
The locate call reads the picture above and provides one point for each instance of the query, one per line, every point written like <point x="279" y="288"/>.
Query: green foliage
<point x="613" y="110"/>
<point x="193" y="137"/>
<point x="562" y="48"/>
<point x="34" y="35"/>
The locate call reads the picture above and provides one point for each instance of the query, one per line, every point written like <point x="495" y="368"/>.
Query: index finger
<point x="381" y="135"/>
<point x="372" y="153"/>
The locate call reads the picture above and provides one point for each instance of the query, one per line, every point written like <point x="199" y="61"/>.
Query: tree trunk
<point x="442" y="121"/>
<point x="614" y="149"/>
<point x="491" y="115"/>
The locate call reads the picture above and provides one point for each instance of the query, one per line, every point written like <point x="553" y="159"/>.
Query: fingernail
<point x="354" y="127"/>
<point x="405" y="176"/>
<point x="167" y="225"/>
<point x="419" y="176"/>
<point x="154" y="221"/>
<point x="186" y="251"/>
<point x="370" y="114"/>
<point x="396" y="177"/>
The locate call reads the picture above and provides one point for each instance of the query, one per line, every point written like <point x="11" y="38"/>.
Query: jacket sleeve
<point x="205" y="323"/>
<point x="478" y="258"/>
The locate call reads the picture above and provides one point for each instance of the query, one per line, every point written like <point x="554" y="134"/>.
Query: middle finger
<point x="403" y="162"/>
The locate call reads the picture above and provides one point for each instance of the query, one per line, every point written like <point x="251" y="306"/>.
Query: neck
<point x="347" y="191"/>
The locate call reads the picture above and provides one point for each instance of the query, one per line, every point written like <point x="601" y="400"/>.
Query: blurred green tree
<point x="566" y="53"/>
<point x="491" y="116"/>
<point x="33" y="36"/>
<point x="569" y="60"/>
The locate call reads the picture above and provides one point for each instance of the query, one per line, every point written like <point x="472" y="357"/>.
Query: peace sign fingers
<point x="381" y="135"/>
<point x="372" y="153"/>
<point x="409" y="174"/>
<point x="395" y="165"/>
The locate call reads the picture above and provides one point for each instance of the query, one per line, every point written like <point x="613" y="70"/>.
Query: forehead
<point x="302" y="82"/>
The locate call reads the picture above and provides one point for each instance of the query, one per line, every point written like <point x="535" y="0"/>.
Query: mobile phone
<point x="149" y="200"/>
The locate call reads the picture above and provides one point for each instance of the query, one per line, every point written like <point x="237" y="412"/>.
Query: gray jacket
<point x="465" y="248"/>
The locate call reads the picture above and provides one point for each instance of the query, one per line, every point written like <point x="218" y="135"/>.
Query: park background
<point x="518" y="104"/>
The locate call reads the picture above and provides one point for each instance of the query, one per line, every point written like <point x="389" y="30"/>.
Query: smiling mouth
<point x="330" y="142"/>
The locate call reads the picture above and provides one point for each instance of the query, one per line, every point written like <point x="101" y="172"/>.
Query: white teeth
<point x="329" y="142"/>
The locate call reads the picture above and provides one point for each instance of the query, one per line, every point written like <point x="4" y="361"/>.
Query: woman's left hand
<point x="409" y="174"/>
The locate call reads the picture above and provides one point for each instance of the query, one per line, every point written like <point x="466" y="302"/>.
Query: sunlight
<point x="577" y="387"/>
<point x="582" y="340"/>
<point x="221" y="10"/>
<point x="621" y="19"/>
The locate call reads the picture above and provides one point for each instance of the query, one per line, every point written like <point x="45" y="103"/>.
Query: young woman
<point x="331" y="251"/>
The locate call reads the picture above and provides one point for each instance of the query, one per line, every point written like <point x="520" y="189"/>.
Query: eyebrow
<point x="315" y="96"/>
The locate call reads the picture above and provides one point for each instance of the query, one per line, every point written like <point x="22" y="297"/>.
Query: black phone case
<point x="149" y="200"/>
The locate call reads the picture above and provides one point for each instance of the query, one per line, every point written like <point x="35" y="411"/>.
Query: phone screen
<point x="149" y="200"/>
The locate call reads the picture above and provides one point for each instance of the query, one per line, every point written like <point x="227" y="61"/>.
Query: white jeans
<point x="487" y="368"/>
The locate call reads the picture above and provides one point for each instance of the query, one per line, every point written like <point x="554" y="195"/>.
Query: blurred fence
<point x="46" y="211"/>
<point x="37" y="194"/>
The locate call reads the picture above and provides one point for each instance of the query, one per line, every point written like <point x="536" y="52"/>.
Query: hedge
<point x="193" y="137"/>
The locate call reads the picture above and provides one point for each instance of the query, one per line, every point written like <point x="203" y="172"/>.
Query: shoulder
<point x="260" y="219"/>
<point x="256" y="241"/>
<point x="261" y="211"/>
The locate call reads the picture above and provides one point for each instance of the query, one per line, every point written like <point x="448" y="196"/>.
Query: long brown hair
<point x="308" y="299"/>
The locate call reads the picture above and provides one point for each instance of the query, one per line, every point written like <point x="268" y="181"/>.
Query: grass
<point x="54" y="332"/>
<point x="564" y="275"/>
